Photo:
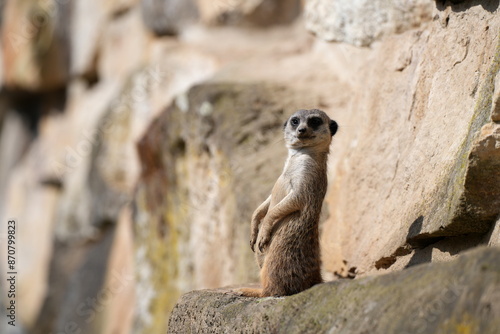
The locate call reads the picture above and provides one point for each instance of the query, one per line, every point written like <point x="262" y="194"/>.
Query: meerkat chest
<point x="281" y="188"/>
<point x="289" y="180"/>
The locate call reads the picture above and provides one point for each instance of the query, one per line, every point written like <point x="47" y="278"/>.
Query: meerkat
<point x="284" y="228"/>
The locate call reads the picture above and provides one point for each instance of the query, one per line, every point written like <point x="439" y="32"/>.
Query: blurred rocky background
<point x="137" y="137"/>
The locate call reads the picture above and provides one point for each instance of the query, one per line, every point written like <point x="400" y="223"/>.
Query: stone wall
<point x="407" y="173"/>
<point x="137" y="137"/>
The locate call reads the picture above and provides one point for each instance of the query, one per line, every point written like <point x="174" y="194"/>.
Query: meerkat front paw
<point x="256" y="220"/>
<point x="263" y="241"/>
<point x="253" y="240"/>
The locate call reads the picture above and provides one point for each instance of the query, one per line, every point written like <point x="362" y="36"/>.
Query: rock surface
<point x="257" y="13"/>
<point x="35" y="44"/>
<point x="362" y="22"/>
<point x="462" y="296"/>
<point x="169" y="17"/>
<point x="415" y="189"/>
<point x="495" y="105"/>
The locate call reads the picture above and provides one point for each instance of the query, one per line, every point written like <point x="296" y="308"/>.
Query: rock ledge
<point x="462" y="296"/>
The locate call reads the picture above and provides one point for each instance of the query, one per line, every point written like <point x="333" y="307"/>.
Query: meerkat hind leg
<point x="250" y="292"/>
<point x="258" y="292"/>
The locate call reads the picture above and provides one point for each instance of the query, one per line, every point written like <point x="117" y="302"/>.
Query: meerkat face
<point x="309" y="128"/>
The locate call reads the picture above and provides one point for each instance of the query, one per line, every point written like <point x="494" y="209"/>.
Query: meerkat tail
<point x="250" y="292"/>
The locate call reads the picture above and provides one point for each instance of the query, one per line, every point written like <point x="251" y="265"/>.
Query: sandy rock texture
<point x="256" y="13"/>
<point x="421" y="183"/>
<point x="361" y="22"/>
<point x="169" y="17"/>
<point x="456" y="301"/>
<point x="35" y="44"/>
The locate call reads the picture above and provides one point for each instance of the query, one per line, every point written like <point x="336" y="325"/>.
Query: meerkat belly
<point x="293" y="234"/>
<point x="293" y="257"/>
<point x="295" y="242"/>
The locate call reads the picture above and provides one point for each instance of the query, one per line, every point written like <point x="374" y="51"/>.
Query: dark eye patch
<point x="314" y="122"/>
<point x="294" y="121"/>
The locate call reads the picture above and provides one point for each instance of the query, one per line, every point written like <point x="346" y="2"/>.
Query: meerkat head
<point x="309" y="128"/>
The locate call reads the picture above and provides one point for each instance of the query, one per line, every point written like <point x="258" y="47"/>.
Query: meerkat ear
<point x="333" y="127"/>
<point x="284" y="125"/>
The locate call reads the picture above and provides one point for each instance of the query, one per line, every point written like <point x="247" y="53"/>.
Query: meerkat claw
<point x="262" y="245"/>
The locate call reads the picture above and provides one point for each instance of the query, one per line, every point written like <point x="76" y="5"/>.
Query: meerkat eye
<point x="295" y="121"/>
<point x="314" y="122"/>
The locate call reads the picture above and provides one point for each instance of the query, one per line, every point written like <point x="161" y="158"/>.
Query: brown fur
<point x="284" y="229"/>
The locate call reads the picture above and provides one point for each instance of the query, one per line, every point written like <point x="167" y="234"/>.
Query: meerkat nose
<point x="301" y="130"/>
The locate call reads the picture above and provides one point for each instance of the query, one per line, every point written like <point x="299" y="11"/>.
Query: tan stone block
<point x="35" y="44"/>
